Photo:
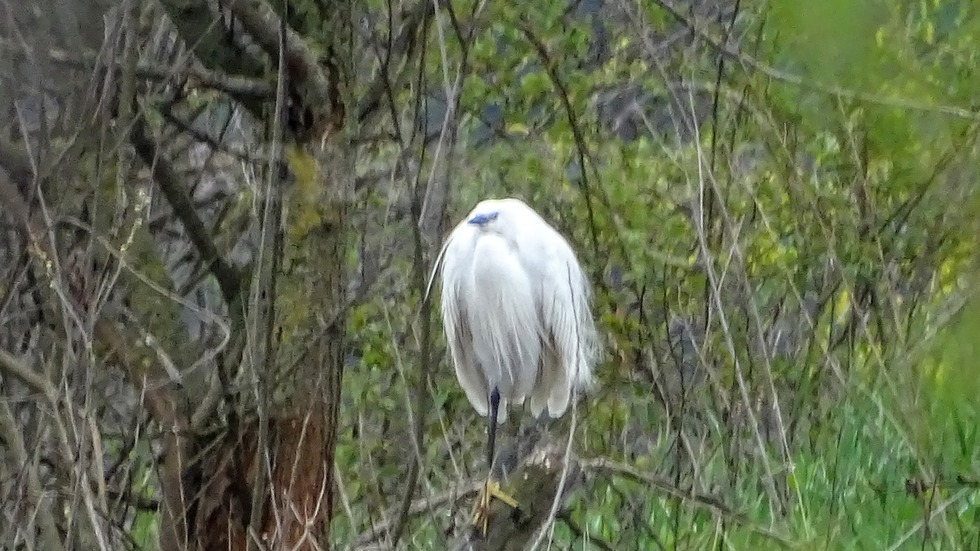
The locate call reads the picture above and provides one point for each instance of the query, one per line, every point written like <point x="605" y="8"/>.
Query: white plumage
<point x="515" y="309"/>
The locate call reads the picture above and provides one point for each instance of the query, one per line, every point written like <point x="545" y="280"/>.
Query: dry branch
<point x="316" y="85"/>
<point x="202" y="29"/>
<point x="242" y="88"/>
<point x="172" y="186"/>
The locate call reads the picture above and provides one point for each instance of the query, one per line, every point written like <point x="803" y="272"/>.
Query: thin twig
<point x="415" y="508"/>
<point x="796" y="80"/>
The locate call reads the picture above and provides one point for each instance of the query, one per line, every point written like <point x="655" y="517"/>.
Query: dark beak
<point x="482" y="219"/>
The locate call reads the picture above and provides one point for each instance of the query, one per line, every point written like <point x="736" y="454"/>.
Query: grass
<point x="853" y="488"/>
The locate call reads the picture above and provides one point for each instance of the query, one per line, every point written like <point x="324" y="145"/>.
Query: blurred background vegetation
<point x="775" y="202"/>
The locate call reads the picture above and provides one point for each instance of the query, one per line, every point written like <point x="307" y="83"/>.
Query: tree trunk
<point x="268" y="483"/>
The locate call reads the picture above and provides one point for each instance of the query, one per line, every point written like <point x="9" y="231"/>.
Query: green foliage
<point x="812" y="237"/>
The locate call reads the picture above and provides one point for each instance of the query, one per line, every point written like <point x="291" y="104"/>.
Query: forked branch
<point x="172" y="187"/>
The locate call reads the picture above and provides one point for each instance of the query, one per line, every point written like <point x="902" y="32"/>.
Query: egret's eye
<point x="481" y="219"/>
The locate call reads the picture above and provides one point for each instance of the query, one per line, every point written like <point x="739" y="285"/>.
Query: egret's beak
<point x="482" y="219"/>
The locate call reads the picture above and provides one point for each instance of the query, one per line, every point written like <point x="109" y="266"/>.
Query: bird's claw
<point x="481" y="509"/>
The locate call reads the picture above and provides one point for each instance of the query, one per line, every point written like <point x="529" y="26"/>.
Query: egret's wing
<point x="459" y="334"/>
<point x="568" y="327"/>
<point x="460" y="339"/>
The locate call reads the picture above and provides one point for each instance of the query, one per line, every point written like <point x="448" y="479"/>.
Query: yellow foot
<point x="481" y="509"/>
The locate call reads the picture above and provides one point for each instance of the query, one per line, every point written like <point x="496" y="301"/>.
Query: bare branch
<point x="212" y="43"/>
<point x="239" y="87"/>
<point x="318" y="88"/>
<point x="13" y="440"/>
<point x="412" y="31"/>
<point x="28" y="376"/>
<point x="228" y="278"/>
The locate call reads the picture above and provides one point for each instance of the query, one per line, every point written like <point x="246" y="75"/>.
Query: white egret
<point x="515" y="309"/>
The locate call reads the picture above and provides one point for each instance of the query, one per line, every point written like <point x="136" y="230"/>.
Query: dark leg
<point x="492" y="428"/>
<point x="491" y="489"/>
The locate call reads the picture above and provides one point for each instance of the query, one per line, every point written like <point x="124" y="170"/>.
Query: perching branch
<point x="534" y="484"/>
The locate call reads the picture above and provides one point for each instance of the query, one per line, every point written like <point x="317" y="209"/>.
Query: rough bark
<point x="293" y="514"/>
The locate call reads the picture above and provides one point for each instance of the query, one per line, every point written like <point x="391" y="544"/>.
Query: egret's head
<point x="498" y="216"/>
